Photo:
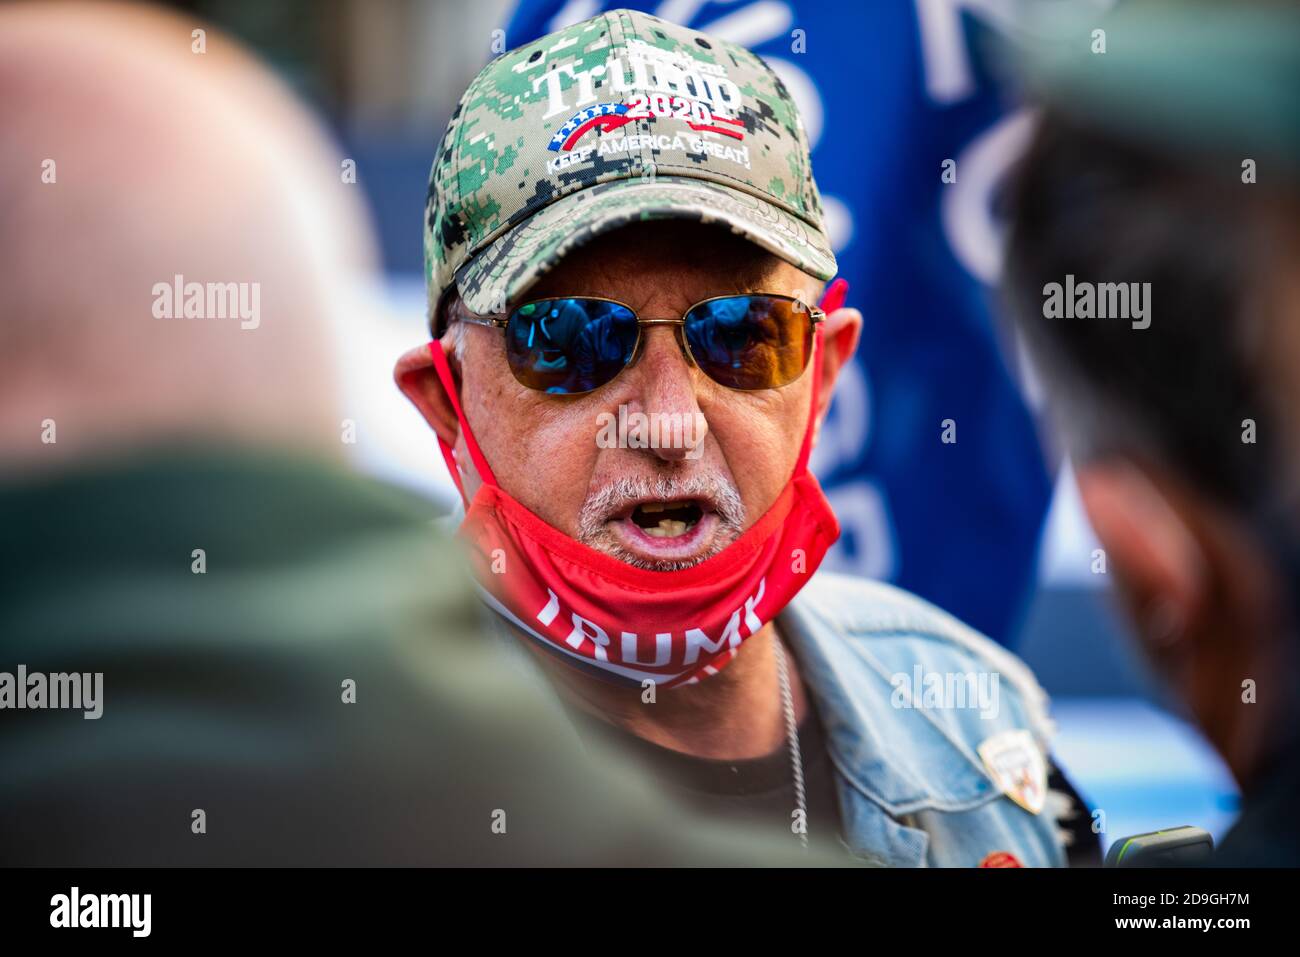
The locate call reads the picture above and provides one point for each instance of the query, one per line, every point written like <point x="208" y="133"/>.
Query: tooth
<point x="667" y="528"/>
<point x="654" y="506"/>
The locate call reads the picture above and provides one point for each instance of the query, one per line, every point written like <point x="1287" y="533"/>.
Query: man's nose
<point x="665" y="386"/>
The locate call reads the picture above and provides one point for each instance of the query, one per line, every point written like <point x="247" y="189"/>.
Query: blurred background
<point x="990" y="527"/>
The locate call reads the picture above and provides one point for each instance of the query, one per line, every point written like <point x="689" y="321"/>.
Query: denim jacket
<point x="913" y="789"/>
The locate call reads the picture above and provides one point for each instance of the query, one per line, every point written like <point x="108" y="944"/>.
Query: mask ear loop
<point x="832" y="300"/>
<point x="449" y="387"/>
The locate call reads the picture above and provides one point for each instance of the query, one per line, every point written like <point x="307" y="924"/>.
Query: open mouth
<point x="662" y="531"/>
<point x="667" y="519"/>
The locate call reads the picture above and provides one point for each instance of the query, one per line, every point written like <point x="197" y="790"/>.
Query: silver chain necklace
<point x="792" y="737"/>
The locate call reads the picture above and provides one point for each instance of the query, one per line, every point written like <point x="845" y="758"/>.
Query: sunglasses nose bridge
<point x="679" y="328"/>
<point x="663" y="374"/>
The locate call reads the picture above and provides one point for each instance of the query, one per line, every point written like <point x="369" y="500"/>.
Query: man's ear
<point x="418" y="379"/>
<point x="840" y="332"/>
<point x="1151" y="545"/>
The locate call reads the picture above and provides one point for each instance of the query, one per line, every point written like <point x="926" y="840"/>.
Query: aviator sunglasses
<point x="577" y="344"/>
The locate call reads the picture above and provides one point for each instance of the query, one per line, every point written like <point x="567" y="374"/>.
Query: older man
<point x="625" y="256"/>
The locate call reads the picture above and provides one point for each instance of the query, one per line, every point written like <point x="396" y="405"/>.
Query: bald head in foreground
<point x="216" y="645"/>
<point x="129" y="161"/>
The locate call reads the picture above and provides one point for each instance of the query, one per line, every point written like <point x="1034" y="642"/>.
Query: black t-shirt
<point x="759" y="791"/>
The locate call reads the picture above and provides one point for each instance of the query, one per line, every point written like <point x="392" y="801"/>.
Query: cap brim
<point x="516" y="259"/>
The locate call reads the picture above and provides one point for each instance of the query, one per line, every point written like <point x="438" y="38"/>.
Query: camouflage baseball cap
<point x="617" y="119"/>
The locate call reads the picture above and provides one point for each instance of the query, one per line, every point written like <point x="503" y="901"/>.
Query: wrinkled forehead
<point x="693" y="258"/>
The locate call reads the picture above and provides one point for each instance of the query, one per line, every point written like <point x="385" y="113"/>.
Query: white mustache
<point x="720" y="494"/>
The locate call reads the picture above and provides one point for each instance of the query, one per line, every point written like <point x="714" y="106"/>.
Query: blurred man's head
<point x="134" y="152"/>
<point x="1178" y="421"/>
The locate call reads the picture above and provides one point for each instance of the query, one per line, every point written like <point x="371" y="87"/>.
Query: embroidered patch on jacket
<point x="1017" y="767"/>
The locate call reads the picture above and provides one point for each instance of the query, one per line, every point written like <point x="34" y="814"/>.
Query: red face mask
<point x="668" y="627"/>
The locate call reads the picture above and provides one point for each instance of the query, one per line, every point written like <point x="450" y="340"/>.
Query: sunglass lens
<point x="750" y="342"/>
<point x="569" y="346"/>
